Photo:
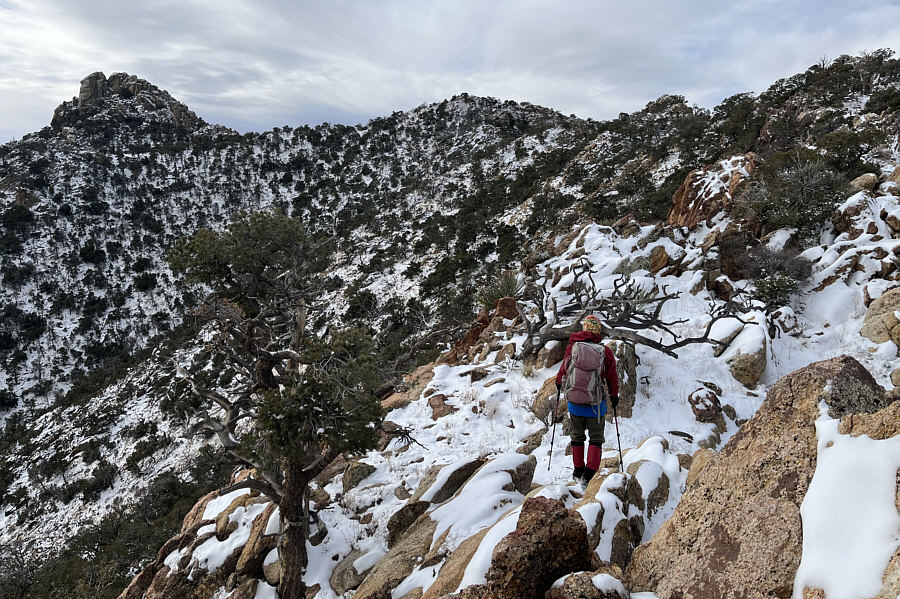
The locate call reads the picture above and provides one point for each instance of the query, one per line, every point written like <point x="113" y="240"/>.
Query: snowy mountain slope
<point x="93" y="202"/>
<point x="485" y="419"/>
<point x="90" y="205"/>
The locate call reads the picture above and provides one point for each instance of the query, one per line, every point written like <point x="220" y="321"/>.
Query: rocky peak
<point x="125" y="93"/>
<point x="94" y="88"/>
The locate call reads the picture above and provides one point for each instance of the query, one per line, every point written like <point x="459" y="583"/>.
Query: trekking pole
<point x="618" y="439"/>
<point x="553" y="434"/>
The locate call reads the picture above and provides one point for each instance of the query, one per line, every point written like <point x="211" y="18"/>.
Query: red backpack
<point x="583" y="383"/>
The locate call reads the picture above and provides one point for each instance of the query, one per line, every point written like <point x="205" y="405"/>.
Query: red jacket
<point x="609" y="362"/>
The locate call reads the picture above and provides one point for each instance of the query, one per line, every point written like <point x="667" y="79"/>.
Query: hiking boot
<point x="578" y="472"/>
<point x="587" y="476"/>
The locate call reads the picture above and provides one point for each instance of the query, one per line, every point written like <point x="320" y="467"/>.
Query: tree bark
<point x="294" y="531"/>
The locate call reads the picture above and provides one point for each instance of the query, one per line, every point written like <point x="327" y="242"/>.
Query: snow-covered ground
<point x="492" y="418"/>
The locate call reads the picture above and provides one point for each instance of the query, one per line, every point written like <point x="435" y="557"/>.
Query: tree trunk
<point x="294" y="531"/>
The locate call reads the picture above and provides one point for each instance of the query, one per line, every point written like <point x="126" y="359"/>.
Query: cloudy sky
<point x="255" y="64"/>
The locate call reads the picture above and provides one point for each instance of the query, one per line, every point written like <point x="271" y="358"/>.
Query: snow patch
<point x="851" y="527"/>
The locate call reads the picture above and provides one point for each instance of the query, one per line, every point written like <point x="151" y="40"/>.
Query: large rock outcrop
<point x="549" y="542"/>
<point x="128" y="92"/>
<point x="736" y="532"/>
<point x="224" y="543"/>
<point x="707" y="191"/>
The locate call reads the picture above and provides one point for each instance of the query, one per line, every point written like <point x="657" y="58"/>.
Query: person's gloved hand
<point x="614" y="400"/>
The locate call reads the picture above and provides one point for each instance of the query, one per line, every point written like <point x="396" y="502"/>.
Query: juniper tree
<point x="294" y="399"/>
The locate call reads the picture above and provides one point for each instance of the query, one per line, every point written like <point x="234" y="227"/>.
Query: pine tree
<point x="296" y="399"/>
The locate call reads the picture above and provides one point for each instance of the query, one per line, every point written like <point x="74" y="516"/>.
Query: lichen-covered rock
<point x="258" y="545"/>
<point x="654" y="482"/>
<point x="196" y="514"/>
<point x="399" y="561"/>
<point x="724" y="331"/>
<point x="890" y="580"/>
<point x="544" y="402"/>
<point x="413" y="385"/>
<point x="746" y="357"/>
<point x="626" y="538"/>
<point x="403" y="518"/>
<point x="452" y="477"/>
<point x="628" y="490"/>
<point x="551" y="354"/>
<point x="532" y="441"/>
<point x="451" y="573"/>
<point x="603" y="583"/>
<point x="225" y="525"/>
<point x="881" y="323"/>
<point x="549" y="541"/>
<point x="345" y="576"/>
<point x="865" y="182"/>
<point x="883" y="424"/>
<point x="355" y="473"/>
<point x="736" y="531"/>
<point x="246" y="590"/>
<point x="272" y="571"/>
<point x="659" y="258"/>
<point x="522" y="475"/>
<point x="439" y="406"/>
<point x="507" y="352"/>
<point x="701" y="459"/>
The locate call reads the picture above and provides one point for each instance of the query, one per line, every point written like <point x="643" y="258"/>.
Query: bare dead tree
<point x="630" y="313"/>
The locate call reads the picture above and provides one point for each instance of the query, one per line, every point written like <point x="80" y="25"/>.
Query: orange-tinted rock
<point x="506" y="308"/>
<point x="439" y="406"/>
<point x="461" y="347"/>
<point x="736" y="531"/>
<point x="708" y="191"/>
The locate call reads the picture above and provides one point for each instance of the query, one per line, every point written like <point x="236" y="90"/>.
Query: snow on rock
<point x="607" y="584"/>
<point x="218" y="505"/>
<point x="491" y="417"/>
<point x="604" y="583"/>
<point x="481" y="500"/>
<point x="851" y="527"/>
<point x="491" y="491"/>
<point x="746" y="354"/>
<point x="724" y="331"/>
<point x="211" y="554"/>
<point x="707" y="191"/>
<point x="737" y="528"/>
<point x="881" y="323"/>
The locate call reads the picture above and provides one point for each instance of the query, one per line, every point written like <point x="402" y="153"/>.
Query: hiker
<point x="587" y="407"/>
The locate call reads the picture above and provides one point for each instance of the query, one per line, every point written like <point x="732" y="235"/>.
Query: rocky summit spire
<point x="126" y="92"/>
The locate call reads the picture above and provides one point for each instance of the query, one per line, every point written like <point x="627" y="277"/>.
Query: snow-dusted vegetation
<point x="771" y="226"/>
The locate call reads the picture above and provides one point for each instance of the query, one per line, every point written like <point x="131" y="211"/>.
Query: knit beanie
<point x="592" y="324"/>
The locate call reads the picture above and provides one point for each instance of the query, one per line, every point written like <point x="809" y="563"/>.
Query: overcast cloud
<point x="256" y="64"/>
